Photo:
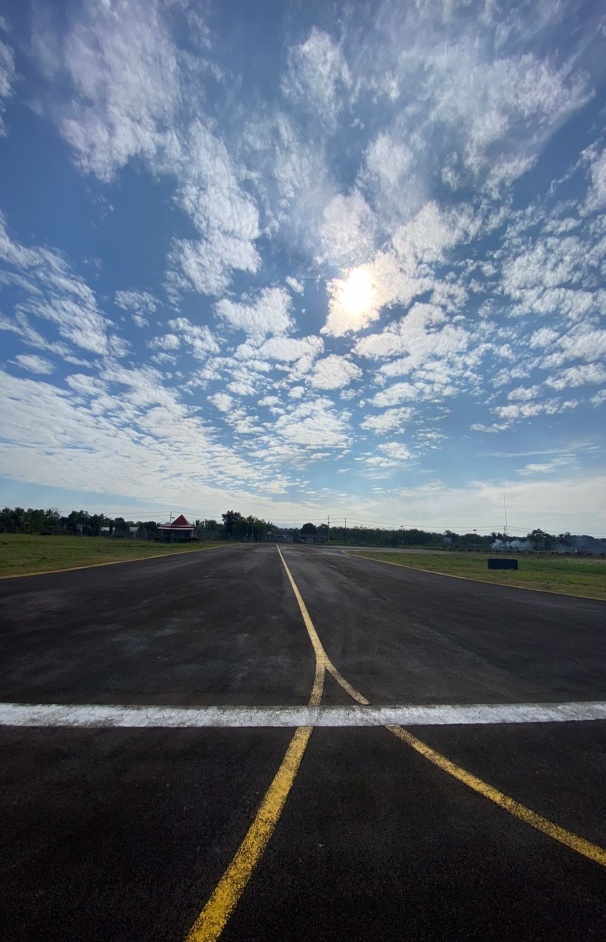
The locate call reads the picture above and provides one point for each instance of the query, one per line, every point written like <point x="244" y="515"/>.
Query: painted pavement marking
<point x="95" y="716"/>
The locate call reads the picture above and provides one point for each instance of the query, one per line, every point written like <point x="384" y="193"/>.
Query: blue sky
<point x="303" y="259"/>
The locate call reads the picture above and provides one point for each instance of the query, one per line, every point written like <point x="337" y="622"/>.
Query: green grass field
<point x="584" y="576"/>
<point x="21" y="553"/>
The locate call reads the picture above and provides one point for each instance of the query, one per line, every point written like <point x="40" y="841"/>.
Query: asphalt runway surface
<point x="124" y="833"/>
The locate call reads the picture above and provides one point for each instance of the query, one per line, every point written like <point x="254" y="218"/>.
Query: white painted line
<point x="97" y="715"/>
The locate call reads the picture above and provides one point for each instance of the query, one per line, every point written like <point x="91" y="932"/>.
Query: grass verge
<point x="21" y="554"/>
<point x="582" y="576"/>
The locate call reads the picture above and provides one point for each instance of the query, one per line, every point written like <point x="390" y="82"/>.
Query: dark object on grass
<point x="502" y="564"/>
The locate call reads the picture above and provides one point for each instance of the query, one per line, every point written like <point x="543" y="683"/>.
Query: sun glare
<point x="356" y="292"/>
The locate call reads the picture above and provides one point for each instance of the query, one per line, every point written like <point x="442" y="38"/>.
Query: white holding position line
<point x="100" y="715"/>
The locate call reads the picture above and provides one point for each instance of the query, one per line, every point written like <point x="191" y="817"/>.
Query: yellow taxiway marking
<point x="112" y="562"/>
<point x="586" y="848"/>
<point x="320" y="653"/>
<point x="213" y="918"/>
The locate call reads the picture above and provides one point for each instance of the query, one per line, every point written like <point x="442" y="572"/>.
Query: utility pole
<point x="346" y="531"/>
<point x="328" y="540"/>
<point x="505" y="509"/>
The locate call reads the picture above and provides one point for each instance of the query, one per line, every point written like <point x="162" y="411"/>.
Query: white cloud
<point x="547" y="467"/>
<point x="125" y="74"/>
<point x="388" y="163"/>
<point x="142" y="302"/>
<point x="543" y="337"/>
<point x="86" y="385"/>
<point x="297" y="286"/>
<point x="399" y="392"/>
<point x="596" y="195"/>
<point x="34" y="363"/>
<point x="268" y="314"/>
<point x="165" y="342"/>
<point x="209" y="191"/>
<point x="206" y="264"/>
<point x="139" y="303"/>
<point x="51" y="291"/>
<point x="583" y="344"/>
<point x="289" y="349"/>
<point x="334" y="372"/>
<point x="578" y="376"/>
<point x="526" y="410"/>
<point x="222" y="401"/>
<point x="314" y="424"/>
<point x="392" y="420"/>
<point x="7" y="79"/>
<point x="426" y="237"/>
<point x="414" y="335"/>
<point x="318" y="75"/>
<point x="396" y="451"/>
<point x="523" y="394"/>
<point x="348" y="230"/>
<point x="200" y="339"/>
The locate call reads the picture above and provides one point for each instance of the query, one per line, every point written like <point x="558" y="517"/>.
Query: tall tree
<point x="229" y="520"/>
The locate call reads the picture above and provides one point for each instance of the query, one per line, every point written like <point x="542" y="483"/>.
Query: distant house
<point x="278" y="535"/>
<point x="314" y="537"/>
<point x="179" y="531"/>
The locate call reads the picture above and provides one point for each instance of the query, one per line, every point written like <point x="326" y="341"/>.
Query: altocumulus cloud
<point x="369" y="257"/>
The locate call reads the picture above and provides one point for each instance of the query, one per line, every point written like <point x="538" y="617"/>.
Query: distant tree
<point x="541" y="539"/>
<point x="309" y="528"/>
<point x="229" y="520"/>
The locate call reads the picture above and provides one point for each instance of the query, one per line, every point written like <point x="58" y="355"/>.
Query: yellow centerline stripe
<point x="321" y="654"/>
<point x="212" y="920"/>
<point x="579" y="844"/>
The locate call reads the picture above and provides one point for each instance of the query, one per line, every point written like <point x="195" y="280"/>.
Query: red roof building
<point x="179" y="531"/>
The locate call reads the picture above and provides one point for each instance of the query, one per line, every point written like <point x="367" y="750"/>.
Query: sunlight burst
<point x="356" y="293"/>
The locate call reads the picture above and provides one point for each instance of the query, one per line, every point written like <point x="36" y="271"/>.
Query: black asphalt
<point x="112" y="834"/>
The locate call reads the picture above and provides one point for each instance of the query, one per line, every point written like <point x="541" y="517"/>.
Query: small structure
<point x="506" y="563"/>
<point x="179" y="531"/>
<point x="313" y="537"/>
<point x="279" y="535"/>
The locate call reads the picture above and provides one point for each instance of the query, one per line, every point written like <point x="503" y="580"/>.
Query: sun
<point x="356" y="292"/>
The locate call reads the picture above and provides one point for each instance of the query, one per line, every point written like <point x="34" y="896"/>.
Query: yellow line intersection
<point x="213" y="918"/>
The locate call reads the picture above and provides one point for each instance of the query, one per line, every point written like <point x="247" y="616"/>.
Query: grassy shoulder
<point x="21" y="553"/>
<point x="582" y="576"/>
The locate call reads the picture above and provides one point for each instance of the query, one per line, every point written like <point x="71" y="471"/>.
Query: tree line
<point x="236" y="526"/>
<point x="79" y="522"/>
